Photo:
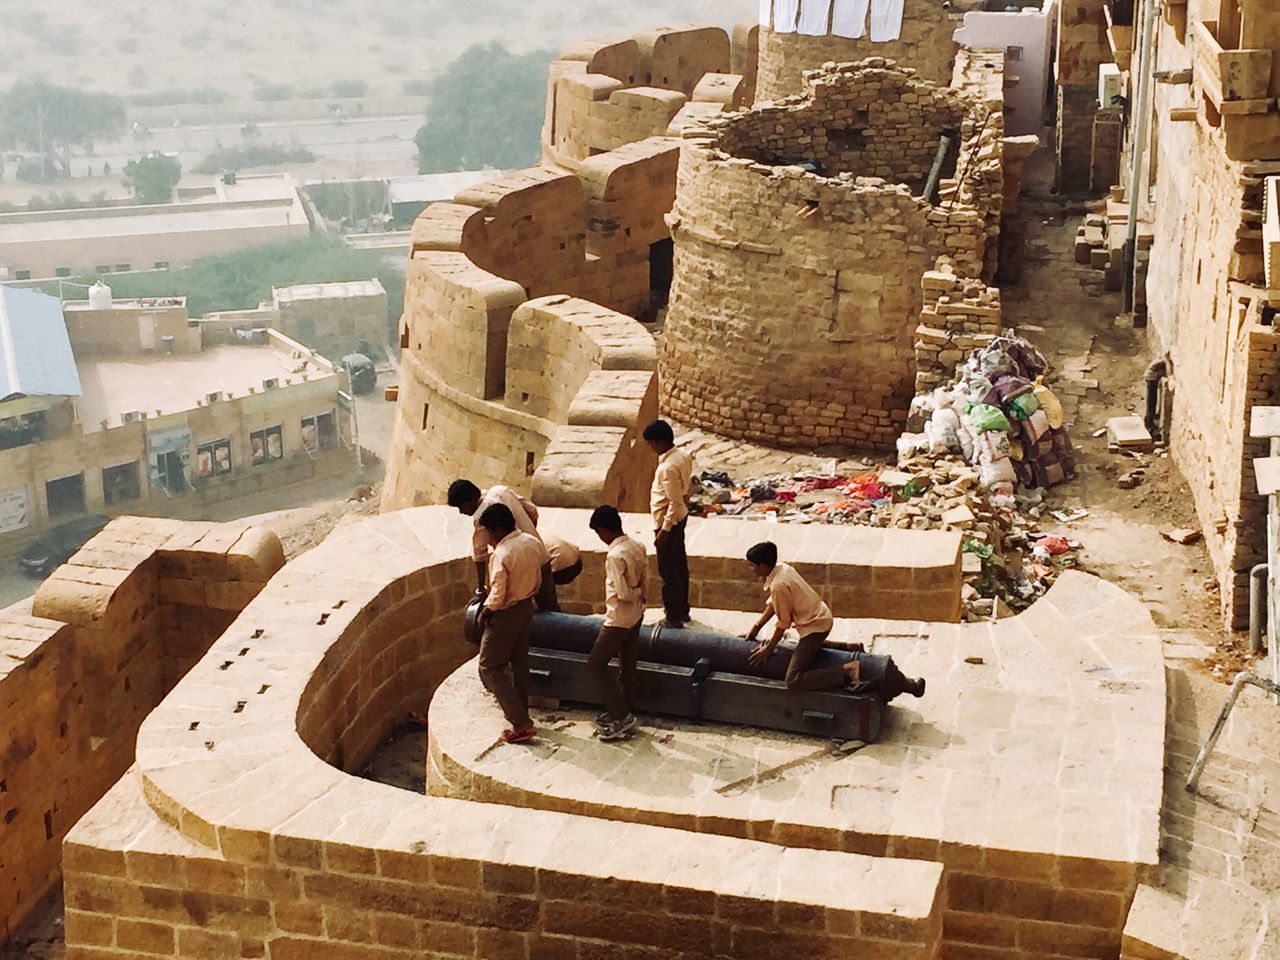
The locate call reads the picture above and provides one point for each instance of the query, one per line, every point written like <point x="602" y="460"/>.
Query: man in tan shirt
<point x="625" y="567"/>
<point x="566" y="559"/>
<point x="515" y="571"/>
<point x="470" y="501"/>
<point x="668" y="500"/>
<point x="795" y="603"/>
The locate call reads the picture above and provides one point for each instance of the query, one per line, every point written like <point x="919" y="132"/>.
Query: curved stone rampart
<point x="607" y="92"/>
<point x="925" y="43"/>
<point x="242" y="830"/>
<point x="242" y="826"/>
<point x="471" y="402"/>
<point x="796" y="292"/>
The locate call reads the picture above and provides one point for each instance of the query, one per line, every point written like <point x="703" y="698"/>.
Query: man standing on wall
<point x="668" y="500"/>
<point x="468" y="500"/>
<point x="624" y="585"/>
<point x="506" y="617"/>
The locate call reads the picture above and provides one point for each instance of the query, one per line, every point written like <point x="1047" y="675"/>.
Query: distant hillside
<point x="289" y="48"/>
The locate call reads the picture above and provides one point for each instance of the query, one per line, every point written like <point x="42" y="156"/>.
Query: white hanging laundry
<point x="850" y="19"/>
<point x="886" y="20"/>
<point x="785" y="13"/>
<point x="766" y="13"/>
<point x="814" y="17"/>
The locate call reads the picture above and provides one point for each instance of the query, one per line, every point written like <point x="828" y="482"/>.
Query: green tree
<point x="242" y="280"/>
<point x="49" y="120"/>
<point x="153" y="178"/>
<point x="486" y="111"/>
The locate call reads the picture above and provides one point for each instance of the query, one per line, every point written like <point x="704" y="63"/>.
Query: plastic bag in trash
<point x="986" y="417"/>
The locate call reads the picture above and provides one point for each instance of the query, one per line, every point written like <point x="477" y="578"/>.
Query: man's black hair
<point x="606" y="518"/>
<point x="462" y="491"/>
<point x="498" y="518"/>
<point x="660" y="432"/>
<point x="765" y="554"/>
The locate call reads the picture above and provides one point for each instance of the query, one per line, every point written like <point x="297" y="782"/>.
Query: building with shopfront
<point x="128" y="406"/>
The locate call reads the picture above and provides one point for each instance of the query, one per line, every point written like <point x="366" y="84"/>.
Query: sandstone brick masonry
<point x="1082" y="48"/>
<point x="475" y="263"/>
<point x="1041" y="854"/>
<point x="1206" y="293"/>
<point x="84" y="662"/>
<point x="241" y="831"/>
<point x="926" y="44"/>
<point x="811" y="340"/>
<point x="959" y="316"/>
<point x="240" y="834"/>
<point x="608" y="92"/>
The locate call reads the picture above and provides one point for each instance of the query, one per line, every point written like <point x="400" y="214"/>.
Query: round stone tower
<point x="801" y="236"/>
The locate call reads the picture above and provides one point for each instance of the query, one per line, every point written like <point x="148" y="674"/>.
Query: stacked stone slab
<point x="797" y="293"/>
<point x="959" y="316"/>
<point x="84" y="662"/>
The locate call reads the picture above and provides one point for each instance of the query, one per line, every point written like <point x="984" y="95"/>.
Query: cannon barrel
<point x="706" y="675"/>
<point x="683" y="647"/>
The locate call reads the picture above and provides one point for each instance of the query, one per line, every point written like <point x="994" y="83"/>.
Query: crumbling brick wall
<point x="959" y="315"/>
<point x="83" y="663"/>
<point x="797" y="294"/>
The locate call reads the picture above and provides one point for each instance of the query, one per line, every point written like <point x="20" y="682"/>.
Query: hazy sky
<point x="132" y="46"/>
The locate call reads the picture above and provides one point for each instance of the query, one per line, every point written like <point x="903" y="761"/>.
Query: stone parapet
<point x="608" y="92"/>
<point x="926" y="43"/>
<point x="516" y="293"/>
<point x="243" y="831"/>
<point x="82" y="663"/>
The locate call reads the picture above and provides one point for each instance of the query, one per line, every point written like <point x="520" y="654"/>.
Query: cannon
<point x="702" y="674"/>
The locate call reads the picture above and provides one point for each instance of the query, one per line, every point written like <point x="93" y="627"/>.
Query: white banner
<point x="13" y="510"/>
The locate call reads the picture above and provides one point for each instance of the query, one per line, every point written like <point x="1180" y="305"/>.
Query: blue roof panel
<point x="35" y="352"/>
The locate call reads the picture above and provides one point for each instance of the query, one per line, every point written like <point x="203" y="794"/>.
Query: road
<point x="363" y="140"/>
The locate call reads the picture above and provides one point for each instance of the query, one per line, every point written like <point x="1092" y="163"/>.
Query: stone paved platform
<point x="242" y="831"/>
<point x="1041" y="761"/>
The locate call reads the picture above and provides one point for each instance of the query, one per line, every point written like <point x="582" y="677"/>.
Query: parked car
<point x="361" y="372"/>
<point x="41" y="558"/>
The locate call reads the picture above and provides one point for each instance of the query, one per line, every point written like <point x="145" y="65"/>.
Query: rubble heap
<point x="959" y="316"/>
<point x="993" y="439"/>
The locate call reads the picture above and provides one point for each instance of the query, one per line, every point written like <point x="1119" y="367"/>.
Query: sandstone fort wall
<point x="243" y="832"/>
<point x="811" y="341"/>
<point x="84" y="662"/>
<point x="924" y="42"/>
<point x="607" y="92"/>
<point x="1204" y="292"/>
<point x="474" y="402"/>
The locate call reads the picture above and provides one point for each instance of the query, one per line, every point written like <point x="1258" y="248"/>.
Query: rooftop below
<point x="162" y="384"/>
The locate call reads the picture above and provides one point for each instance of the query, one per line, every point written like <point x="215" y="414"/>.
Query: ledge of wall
<point x="486" y="384"/>
<point x="83" y="663"/>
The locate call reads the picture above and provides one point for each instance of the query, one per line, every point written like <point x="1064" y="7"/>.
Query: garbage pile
<point x="1000" y="415"/>
<point x="1008" y="562"/>
<point x="992" y="441"/>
